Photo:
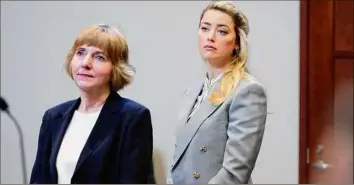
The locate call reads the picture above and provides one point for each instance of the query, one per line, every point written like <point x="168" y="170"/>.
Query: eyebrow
<point x="96" y="52"/>
<point x="219" y="25"/>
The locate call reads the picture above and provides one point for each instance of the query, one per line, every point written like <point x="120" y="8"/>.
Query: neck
<point x="92" y="101"/>
<point x="213" y="71"/>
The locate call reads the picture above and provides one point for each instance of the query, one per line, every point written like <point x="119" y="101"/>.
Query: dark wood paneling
<point x="343" y="121"/>
<point x="343" y="75"/>
<point x="326" y="57"/>
<point x="344" y="25"/>
<point x="344" y="54"/>
<point x="320" y="83"/>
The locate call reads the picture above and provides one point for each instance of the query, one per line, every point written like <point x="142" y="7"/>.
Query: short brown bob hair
<point x="114" y="46"/>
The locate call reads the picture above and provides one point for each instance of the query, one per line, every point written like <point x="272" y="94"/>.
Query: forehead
<point x="216" y="17"/>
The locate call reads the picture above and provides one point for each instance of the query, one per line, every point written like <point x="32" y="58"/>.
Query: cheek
<point x="105" y="71"/>
<point x="74" y="65"/>
<point x="201" y="39"/>
<point x="228" y="45"/>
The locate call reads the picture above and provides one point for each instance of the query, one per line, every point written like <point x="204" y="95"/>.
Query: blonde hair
<point x="237" y="68"/>
<point x="114" y="46"/>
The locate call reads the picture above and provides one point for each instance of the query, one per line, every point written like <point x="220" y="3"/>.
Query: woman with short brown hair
<point x="99" y="137"/>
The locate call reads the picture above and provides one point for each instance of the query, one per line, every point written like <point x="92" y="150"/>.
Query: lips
<point x="84" y="75"/>
<point x="209" y="47"/>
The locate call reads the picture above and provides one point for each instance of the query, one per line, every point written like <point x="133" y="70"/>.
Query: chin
<point x="213" y="61"/>
<point x="209" y="56"/>
<point x="84" y="86"/>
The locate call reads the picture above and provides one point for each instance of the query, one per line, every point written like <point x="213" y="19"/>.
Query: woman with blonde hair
<point x="220" y="134"/>
<point x="99" y="137"/>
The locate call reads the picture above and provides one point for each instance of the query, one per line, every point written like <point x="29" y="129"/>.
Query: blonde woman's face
<point x="91" y="69"/>
<point x="216" y="38"/>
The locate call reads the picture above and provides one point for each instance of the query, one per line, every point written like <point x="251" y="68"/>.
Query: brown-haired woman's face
<point x="216" y="37"/>
<point x="91" y="69"/>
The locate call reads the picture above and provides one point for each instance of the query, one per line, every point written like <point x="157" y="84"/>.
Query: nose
<point x="211" y="36"/>
<point x="87" y="61"/>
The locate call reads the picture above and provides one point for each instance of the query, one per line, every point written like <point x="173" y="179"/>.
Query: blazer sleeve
<point x="247" y="118"/>
<point x="137" y="158"/>
<point x="40" y="171"/>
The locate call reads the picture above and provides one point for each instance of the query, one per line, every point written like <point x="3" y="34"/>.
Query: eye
<point x="222" y="32"/>
<point x="204" y="28"/>
<point x="80" y="53"/>
<point x="100" y="58"/>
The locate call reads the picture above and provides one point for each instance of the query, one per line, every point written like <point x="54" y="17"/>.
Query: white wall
<point x="35" y="37"/>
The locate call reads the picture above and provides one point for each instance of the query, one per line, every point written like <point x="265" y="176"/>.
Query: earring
<point x="237" y="50"/>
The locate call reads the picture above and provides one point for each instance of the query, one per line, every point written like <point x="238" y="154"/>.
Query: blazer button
<point x="196" y="175"/>
<point x="203" y="148"/>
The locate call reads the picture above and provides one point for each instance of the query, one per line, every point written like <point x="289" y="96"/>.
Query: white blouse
<point x="208" y="83"/>
<point x="73" y="142"/>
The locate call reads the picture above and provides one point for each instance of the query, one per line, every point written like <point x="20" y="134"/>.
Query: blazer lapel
<point x="187" y="133"/>
<point x="191" y="99"/>
<point x="61" y="125"/>
<point x="105" y="124"/>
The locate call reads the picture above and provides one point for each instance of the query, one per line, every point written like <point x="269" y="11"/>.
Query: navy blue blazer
<point x="119" y="148"/>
